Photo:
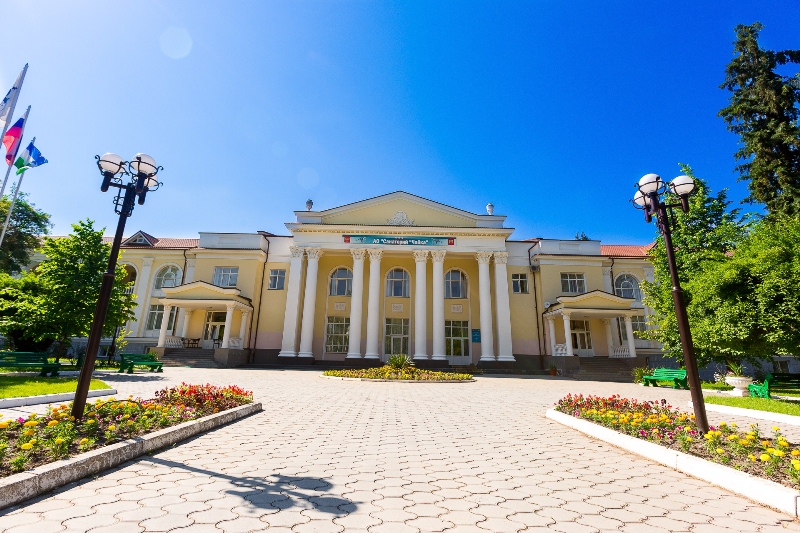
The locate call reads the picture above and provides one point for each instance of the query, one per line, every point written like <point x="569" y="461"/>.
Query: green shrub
<point x="399" y="362"/>
<point x="639" y="373"/>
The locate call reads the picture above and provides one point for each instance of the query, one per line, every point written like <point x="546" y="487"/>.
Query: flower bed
<point x="770" y="457"/>
<point x="409" y="373"/>
<point x="37" y="440"/>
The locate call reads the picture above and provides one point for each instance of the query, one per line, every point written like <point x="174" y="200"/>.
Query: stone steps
<point x="604" y="369"/>
<point x="191" y="357"/>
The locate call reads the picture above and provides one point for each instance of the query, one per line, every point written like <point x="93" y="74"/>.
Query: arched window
<point x="628" y="287"/>
<point x="455" y="284"/>
<point x="341" y="282"/>
<point x="169" y="276"/>
<point x="130" y="278"/>
<point x="397" y="283"/>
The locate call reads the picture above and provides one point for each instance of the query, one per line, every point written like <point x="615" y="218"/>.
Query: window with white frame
<point x="456" y="338"/>
<point x="341" y="282"/>
<point x="169" y="276"/>
<point x="226" y="276"/>
<point x="573" y="283"/>
<point x="277" y="277"/>
<point x="628" y="287"/>
<point x="156" y="316"/>
<point x="519" y="283"/>
<point x="337" y="334"/>
<point x="455" y="284"/>
<point x="639" y="324"/>
<point x="397" y="282"/>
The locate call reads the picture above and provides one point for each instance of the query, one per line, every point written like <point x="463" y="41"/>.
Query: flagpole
<point x="13" y="107"/>
<point x="8" y="171"/>
<point x="13" y="201"/>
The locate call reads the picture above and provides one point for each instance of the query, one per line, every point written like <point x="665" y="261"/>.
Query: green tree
<point x="13" y="292"/>
<point x="71" y="276"/>
<point x="763" y="112"/>
<point x="703" y="237"/>
<point x="25" y="229"/>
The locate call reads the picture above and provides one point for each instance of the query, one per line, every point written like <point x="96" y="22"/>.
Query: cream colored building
<point x="393" y="274"/>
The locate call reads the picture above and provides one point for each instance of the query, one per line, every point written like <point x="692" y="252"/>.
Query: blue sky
<point x="550" y="110"/>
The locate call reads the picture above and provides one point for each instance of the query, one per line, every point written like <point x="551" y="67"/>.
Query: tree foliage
<point x="25" y="228"/>
<point x="763" y="112"/>
<point x="703" y="237"/>
<point x="69" y="280"/>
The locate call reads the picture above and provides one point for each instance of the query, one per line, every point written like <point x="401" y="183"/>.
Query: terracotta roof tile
<point x="166" y="242"/>
<point x="625" y="250"/>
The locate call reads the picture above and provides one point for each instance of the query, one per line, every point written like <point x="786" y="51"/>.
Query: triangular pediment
<point x="140" y="238"/>
<point x="201" y="290"/>
<point x="595" y="300"/>
<point x="399" y="209"/>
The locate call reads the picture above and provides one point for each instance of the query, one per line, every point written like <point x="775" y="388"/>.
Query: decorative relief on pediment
<point x="400" y="218"/>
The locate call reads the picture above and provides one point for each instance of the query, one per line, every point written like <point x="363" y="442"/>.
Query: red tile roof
<point x="166" y="242"/>
<point x="625" y="250"/>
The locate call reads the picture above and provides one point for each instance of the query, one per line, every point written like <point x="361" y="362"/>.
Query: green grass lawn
<point x="14" y="386"/>
<point x="759" y="404"/>
<point x="711" y="385"/>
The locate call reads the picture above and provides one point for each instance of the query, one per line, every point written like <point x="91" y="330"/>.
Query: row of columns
<point x="226" y="335"/>
<point x="609" y="339"/>
<point x="373" y="304"/>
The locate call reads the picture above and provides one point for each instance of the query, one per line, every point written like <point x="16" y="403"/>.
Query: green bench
<point x="128" y="360"/>
<point x="774" y="381"/>
<point x="677" y="377"/>
<point x="29" y="360"/>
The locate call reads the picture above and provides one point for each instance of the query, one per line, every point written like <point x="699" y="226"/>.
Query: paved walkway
<point x="330" y="455"/>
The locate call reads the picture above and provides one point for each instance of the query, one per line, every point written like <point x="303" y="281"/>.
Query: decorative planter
<point x="739" y="384"/>
<point x="553" y="371"/>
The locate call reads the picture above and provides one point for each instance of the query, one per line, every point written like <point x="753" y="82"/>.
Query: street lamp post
<point x="648" y="198"/>
<point x="132" y="178"/>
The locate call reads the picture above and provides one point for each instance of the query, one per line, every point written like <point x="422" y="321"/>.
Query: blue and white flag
<point x="8" y="103"/>
<point x="30" y="158"/>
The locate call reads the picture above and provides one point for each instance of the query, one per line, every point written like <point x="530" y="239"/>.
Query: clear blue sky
<point x="550" y="110"/>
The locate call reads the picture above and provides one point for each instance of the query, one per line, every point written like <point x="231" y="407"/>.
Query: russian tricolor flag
<point x="12" y="139"/>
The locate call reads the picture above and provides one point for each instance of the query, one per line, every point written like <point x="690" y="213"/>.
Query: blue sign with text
<point x="476" y="335"/>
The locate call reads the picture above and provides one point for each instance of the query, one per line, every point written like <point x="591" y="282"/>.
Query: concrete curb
<point x="752" y="413"/>
<point x="25" y="485"/>
<point x="22" y="401"/>
<point x="403" y="380"/>
<point x="759" y="490"/>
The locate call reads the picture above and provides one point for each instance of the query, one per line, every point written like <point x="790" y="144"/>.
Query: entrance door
<point x="456" y="342"/>
<point x="581" y="338"/>
<point x="396" y="342"/>
<point x="213" y="330"/>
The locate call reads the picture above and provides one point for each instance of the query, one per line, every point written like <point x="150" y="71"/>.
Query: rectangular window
<point x="226" y="276"/>
<point x="337" y="334"/>
<point x="276" y="279"/>
<point x="639" y="324"/>
<point x="573" y="283"/>
<point x="156" y="316"/>
<point x="519" y="283"/>
<point x="456" y="338"/>
<point x="396" y="340"/>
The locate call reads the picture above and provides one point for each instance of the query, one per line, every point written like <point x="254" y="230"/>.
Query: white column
<point x="609" y="339"/>
<point x="226" y="335"/>
<point x="631" y="340"/>
<point x="162" y="335"/>
<point x="188" y="277"/>
<point x="356" y="303"/>
<point x="243" y="328"/>
<point x="187" y="315"/>
<point x="551" y="327"/>
<point x="485" y="295"/>
<point x="309" y="303"/>
<point x="142" y="291"/>
<point x="505" y="351"/>
<point x="292" y="303"/>
<point x="438" y="305"/>
<point x="568" y="335"/>
<point x="374" y="305"/>
<point x="421" y="305"/>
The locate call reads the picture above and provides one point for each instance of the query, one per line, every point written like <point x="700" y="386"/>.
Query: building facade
<point x="395" y="274"/>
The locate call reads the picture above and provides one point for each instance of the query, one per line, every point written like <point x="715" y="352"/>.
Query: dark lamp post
<point x="648" y="198"/>
<point x="133" y="179"/>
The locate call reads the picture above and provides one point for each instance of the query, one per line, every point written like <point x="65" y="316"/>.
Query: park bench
<point x="677" y="377"/>
<point x="29" y="360"/>
<point x="774" y="381"/>
<point x="128" y="360"/>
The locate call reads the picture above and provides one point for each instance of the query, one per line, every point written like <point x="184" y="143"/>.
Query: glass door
<point x="456" y="342"/>
<point x="213" y="330"/>
<point x="396" y="341"/>
<point x="581" y="338"/>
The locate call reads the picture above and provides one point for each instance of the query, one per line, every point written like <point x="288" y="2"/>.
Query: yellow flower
<point x="52" y="423"/>
<point x="126" y="416"/>
<point x="775" y="428"/>
<point x="733" y="425"/>
<point x="778" y="453"/>
<point x="732" y="437"/>
<point x="753" y="433"/>
<point x="112" y="427"/>
<point x="722" y="424"/>
<point x="91" y="421"/>
<point x="59" y="440"/>
<point x="765" y="443"/>
<point x="28" y="432"/>
<point x="27" y="446"/>
<point x="688" y="439"/>
<point x="752" y="457"/>
<point x="783" y="443"/>
<point x="31" y="423"/>
<point x="720" y="451"/>
<point x="743" y="442"/>
<point x="795" y="452"/>
<point x="83" y="441"/>
<point x="765" y="457"/>
<point x="796" y="466"/>
<point x="32" y="442"/>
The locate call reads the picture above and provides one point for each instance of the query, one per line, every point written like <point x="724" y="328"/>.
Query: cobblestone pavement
<point x="331" y="455"/>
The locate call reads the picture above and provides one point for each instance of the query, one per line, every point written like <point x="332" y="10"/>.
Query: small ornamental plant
<point x="769" y="456"/>
<point x="408" y="373"/>
<point x="40" y="439"/>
